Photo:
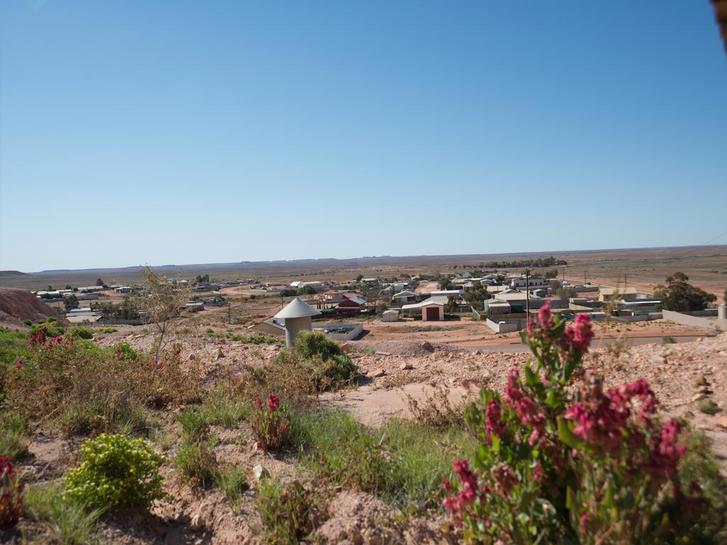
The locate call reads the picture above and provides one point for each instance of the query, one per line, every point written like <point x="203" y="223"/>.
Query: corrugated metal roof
<point x="297" y="309"/>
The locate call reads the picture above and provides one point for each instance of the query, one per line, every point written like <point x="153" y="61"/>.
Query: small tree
<point x="680" y="295"/>
<point x="100" y="282"/>
<point x="444" y="281"/>
<point x="162" y="304"/>
<point x="70" y="302"/>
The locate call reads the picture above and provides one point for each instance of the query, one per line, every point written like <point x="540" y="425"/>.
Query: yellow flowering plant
<point x="115" y="471"/>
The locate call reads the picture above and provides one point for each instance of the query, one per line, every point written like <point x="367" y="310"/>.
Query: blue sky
<point x="189" y="132"/>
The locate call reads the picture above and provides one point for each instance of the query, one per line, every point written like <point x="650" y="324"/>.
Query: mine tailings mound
<point x="17" y="305"/>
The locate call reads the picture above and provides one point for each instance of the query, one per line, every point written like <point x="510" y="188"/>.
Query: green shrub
<point x="115" y="471"/>
<point x="708" y="406"/>
<point x="49" y="328"/>
<point x="68" y="522"/>
<point x="698" y="465"/>
<point x="402" y="462"/>
<point x="94" y="417"/>
<point x="124" y="351"/>
<point x="195" y="423"/>
<point x="253" y="339"/>
<point x="222" y="409"/>
<point x="289" y="512"/>
<point x="327" y="365"/>
<point x="81" y="332"/>
<point x="314" y="344"/>
<point x="13" y="436"/>
<point x="233" y="483"/>
<point x="197" y="463"/>
<point x="87" y="388"/>
<point x="13" y="344"/>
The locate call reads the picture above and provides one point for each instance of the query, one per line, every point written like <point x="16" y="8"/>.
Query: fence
<point x="698" y="321"/>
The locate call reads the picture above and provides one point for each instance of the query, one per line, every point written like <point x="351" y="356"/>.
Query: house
<point x="352" y="301"/>
<point x="404" y="297"/>
<point x="530" y="283"/>
<point x="519" y="300"/>
<point x="625" y="294"/>
<point x="495" y="307"/>
<point x="431" y="309"/>
<point x="638" y="306"/>
<point x="194" y="306"/>
<point x="123" y="289"/>
<point x="330" y="297"/>
<point x="49" y="294"/>
<point x="81" y="315"/>
<point x="315" y="285"/>
<point x="446" y="293"/>
<point x="352" y="304"/>
<point x="90" y="289"/>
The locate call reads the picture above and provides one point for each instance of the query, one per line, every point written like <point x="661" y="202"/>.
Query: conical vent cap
<point x="297" y="309"/>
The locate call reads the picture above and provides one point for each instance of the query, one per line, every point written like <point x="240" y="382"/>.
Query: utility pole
<point x="527" y="293"/>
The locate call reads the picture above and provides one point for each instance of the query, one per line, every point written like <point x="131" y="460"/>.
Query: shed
<point x="390" y="316"/>
<point x="296" y="317"/>
<point x="432" y="309"/>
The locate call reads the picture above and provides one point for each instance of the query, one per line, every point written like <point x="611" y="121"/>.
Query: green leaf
<point x="550" y="399"/>
<point x="566" y="435"/>
<point x="570" y="499"/>
<point x="496" y="444"/>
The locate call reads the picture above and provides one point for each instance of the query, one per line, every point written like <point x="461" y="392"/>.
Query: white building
<point x="533" y="282"/>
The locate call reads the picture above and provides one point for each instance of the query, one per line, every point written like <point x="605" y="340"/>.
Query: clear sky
<point x="160" y="132"/>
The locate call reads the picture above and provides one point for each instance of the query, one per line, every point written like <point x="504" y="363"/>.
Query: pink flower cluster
<point x="599" y="419"/>
<point x="11" y="494"/>
<point x="577" y="337"/>
<point x="622" y="396"/>
<point x="543" y="326"/>
<point x="467" y="494"/>
<point x="59" y="341"/>
<point x="505" y="478"/>
<point x="40" y="337"/>
<point x="525" y="407"/>
<point x="6" y="467"/>
<point x="666" y="453"/>
<point x="493" y="418"/>
<point x="273" y="403"/>
<point x="603" y="420"/>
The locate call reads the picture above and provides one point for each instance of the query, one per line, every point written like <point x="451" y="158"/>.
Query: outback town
<point x="331" y="399"/>
<point x="363" y="273"/>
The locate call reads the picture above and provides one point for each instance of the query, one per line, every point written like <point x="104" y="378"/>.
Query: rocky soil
<point x="687" y="378"/>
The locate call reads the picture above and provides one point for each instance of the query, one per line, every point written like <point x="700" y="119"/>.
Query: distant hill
<point x="12" y="273"/>
<point x="705" y="262"/>
<point x="17" y="305"/>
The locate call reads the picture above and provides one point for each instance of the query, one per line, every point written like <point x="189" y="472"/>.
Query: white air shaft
<point x="296" y="317"/>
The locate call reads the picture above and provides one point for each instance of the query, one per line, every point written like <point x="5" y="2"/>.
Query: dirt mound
<point x="18" y="305"/>
<point x="359" y="519"/>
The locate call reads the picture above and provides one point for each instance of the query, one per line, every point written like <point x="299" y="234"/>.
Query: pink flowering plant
<point x="11" y="494"/>
<point x="270" y="423"/>
<point x="559" y="464"/>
